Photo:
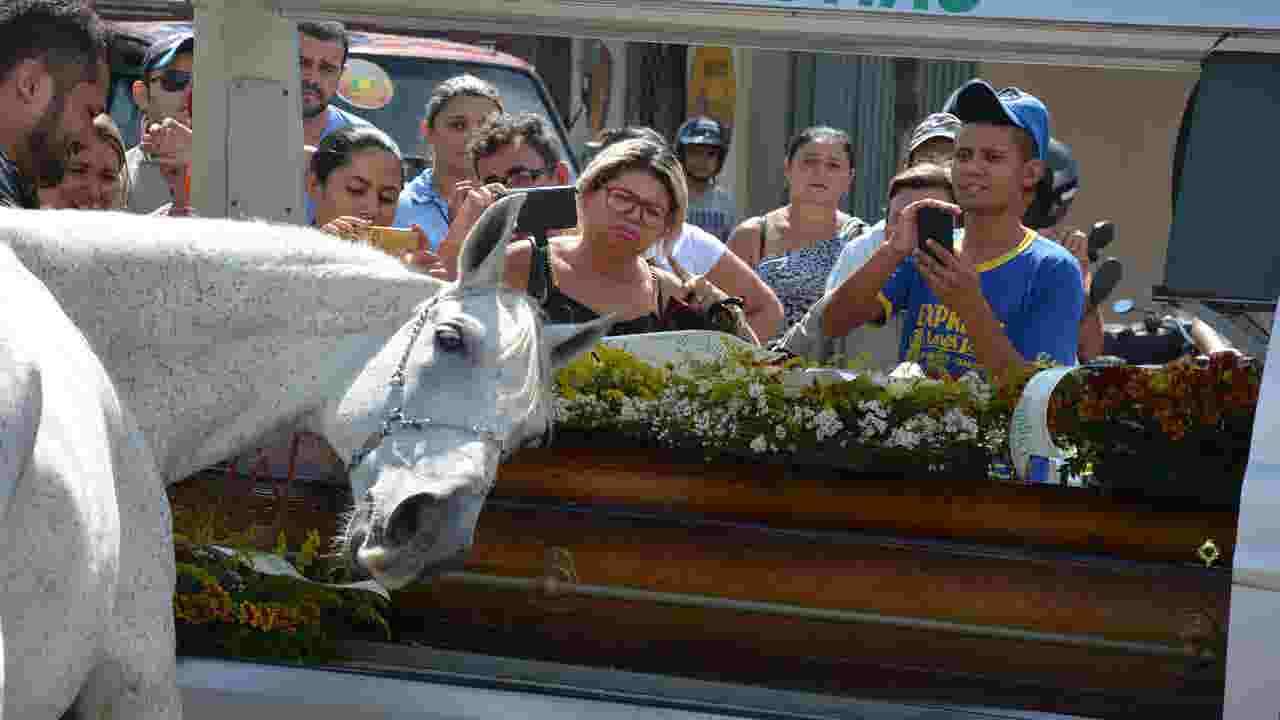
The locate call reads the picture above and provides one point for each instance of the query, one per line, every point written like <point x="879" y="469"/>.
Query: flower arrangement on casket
<point x="737" y="406"/>
<point x="1179" y="431"/>
<point x="234" y="599"/>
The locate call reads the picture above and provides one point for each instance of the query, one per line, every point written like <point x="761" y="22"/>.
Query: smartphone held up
<point x="393" y="241"/>
<point x="936" y="224"/>
<point x="547" y="209"/>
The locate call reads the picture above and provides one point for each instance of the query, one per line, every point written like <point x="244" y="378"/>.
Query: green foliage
<point x="224" y="607"/>
<point x="737" y="406"/>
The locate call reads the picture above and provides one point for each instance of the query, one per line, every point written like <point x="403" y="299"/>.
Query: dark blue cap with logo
<point x="701" y="131"/>
<point x="977" y="101"/>
<point x="163" y="50"/>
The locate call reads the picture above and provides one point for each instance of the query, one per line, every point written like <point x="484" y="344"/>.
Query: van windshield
<point x="414" y="78"/>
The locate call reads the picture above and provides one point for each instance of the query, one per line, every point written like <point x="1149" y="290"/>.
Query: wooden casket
<point x="807" y="577"/>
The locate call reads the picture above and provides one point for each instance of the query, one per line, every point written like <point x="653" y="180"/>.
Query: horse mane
<point x="207" y="280"/>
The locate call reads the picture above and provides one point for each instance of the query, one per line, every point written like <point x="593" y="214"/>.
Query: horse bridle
<point x="395" y="421"/>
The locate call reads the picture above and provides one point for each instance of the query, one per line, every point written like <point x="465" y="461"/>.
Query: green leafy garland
<point x="224" y="607"/>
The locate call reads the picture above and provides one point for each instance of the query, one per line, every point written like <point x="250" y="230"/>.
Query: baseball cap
<point x="701" y="131"/>
<point x="162" y="51"/>
<point x="936" y="125"/>
<point x="976" y="101"/>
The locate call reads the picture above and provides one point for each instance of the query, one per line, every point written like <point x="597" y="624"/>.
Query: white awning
<point x="1138" y="34"/>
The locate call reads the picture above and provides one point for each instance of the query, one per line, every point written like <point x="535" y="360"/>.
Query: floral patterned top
<point x="799" y="277"/>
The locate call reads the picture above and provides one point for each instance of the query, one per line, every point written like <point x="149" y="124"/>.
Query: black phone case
<point x="547" y="208"/>
<point x="936" y="224"/>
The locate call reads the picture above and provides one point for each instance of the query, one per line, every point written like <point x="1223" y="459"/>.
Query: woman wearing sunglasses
<point x="164" y="96"/>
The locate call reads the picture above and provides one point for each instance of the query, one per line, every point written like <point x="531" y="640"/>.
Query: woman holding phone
<point x="355" y="179"/>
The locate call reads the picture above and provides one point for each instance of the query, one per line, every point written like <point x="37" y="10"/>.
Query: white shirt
<point x="855" y="254"/>
<point x="881" y="343"/>
<point x="696" y="250"/>
<point x="714" y="211"/>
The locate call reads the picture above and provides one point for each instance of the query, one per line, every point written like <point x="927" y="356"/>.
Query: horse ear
<point x="484" y="252"/>
<point x="569" y="341"/>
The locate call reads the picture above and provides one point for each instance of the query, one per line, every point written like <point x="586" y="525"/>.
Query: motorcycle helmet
<point x="702" y="130"/>
<point x="1056" y="189"/>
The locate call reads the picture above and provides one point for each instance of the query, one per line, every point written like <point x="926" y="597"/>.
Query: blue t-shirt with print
<point x="338" y="118"/>
<point x="421" y="205"/>
<point x="1034" y="290"/>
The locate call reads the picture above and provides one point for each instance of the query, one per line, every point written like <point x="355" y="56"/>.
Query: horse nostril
<point x="413" y="516"/>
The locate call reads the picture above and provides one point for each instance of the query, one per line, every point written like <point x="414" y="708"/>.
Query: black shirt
<point x="15" y="191"/>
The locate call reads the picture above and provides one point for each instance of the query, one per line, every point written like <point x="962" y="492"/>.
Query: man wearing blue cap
<point x="164" y="97"/>
<point x="1005" y="297"/>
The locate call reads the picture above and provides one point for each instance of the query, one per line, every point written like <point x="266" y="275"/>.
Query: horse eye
<point x="449" y="338"/>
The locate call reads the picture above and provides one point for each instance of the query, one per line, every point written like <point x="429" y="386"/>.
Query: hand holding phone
<point x="547" y="209"/>
<point x="937" y="224"/>
<point x="393" y="241"/>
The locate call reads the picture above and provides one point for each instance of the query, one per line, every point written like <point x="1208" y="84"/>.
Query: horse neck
<point x="219" y="332"/>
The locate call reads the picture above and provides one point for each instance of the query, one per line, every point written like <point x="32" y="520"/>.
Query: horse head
<point x="458" y="389"/>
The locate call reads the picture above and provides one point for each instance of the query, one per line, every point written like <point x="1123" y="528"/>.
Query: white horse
<point x="212" y="334"/>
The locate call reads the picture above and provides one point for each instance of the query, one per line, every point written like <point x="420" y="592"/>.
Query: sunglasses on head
<point x="519" y="175"/>
<point x="173" y="80"/>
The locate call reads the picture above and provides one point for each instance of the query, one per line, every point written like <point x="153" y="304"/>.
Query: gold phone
<point x="394" y="241"/>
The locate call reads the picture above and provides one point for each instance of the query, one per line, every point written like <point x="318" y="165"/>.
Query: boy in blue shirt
<point x="1006" y="297"/>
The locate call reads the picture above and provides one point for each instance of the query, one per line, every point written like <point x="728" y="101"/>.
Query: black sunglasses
<point x="519" y="174"/>
<point x="173" y="80"/>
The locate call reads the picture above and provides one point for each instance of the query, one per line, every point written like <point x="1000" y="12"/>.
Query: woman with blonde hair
<point x="631" y="195"/>
<point x="96" y="177"/>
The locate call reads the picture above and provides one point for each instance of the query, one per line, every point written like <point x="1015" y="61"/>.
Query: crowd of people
<point x="657" y="244"/>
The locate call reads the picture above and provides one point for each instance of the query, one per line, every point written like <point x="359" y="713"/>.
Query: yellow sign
<point x="712" y="88"/>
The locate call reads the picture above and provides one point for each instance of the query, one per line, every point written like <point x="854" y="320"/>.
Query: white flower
<point x="829" y="423"/>
<point x="960" y="425"/>
<point x="870" y="427"/>
<point x="755" y="391"/>
<point x="759" y="445"/>
<point x="874" y="407"/>
<point x="978" y="388"/>
<point x="903" y="438"/>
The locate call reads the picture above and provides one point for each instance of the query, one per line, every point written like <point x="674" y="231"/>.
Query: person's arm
<point x="1208" y="341"/>
<point x="761" y="306"/>
<point x="871" y="292"/>
<point x="515" y="269"/>
<point x="1092" y="338"/>
<point x="1091" y="334"/>
<point x="702" y="292"/>
<point x="859" y="299"/>
<point x="471" y="200"/>
<point x="744" y="242"/>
